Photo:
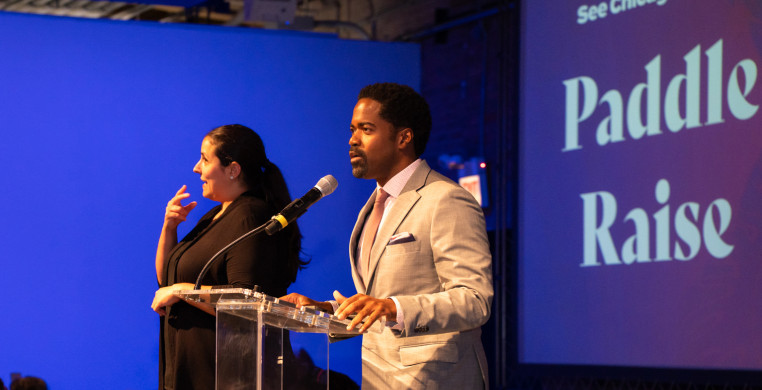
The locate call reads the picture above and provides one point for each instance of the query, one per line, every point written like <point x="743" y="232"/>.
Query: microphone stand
<point x="208" y="264"/>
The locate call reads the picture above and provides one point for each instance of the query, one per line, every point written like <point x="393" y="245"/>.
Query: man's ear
<point x="405" y="138"/>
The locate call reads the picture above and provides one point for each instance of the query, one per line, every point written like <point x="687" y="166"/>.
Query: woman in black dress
<point x="235" y="172"/>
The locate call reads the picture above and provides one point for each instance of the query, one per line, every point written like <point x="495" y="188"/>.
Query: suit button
<point x="421" y="329"/>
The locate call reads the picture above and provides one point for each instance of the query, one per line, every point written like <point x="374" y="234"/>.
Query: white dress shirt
<point x="394" y="188"/>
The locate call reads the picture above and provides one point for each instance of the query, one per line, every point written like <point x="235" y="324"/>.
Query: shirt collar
<point x="394" y="186"/>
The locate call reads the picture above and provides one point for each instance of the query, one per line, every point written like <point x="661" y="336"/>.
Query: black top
<point x="187" y="345"/>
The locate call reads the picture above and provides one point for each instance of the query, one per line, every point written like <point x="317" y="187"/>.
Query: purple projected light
<point x="640" y="214"/>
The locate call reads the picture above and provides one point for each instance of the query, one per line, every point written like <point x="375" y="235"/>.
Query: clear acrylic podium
<point x="253" y="343"/>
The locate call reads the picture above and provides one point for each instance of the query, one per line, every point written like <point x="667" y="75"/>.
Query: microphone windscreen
<point x="327" y="185"/>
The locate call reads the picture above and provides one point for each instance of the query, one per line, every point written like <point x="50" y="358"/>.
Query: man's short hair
<point x="403" y="107"/>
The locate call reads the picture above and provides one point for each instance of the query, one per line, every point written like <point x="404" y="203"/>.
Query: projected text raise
<point x="598" y="223"/>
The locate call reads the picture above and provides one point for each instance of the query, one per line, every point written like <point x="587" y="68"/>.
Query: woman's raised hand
<point x="176" y="212"/>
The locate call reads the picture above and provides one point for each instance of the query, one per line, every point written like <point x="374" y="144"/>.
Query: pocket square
<point x="400" y="238"/>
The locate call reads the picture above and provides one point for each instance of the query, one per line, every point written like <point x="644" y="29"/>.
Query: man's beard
<point x="359" y="169"/>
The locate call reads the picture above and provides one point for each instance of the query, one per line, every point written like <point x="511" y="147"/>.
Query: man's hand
<point x="300" y="300"/>
<point x="368" y="308"/>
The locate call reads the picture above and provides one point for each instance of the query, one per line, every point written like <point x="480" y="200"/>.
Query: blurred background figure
<point x="27" y="383"/>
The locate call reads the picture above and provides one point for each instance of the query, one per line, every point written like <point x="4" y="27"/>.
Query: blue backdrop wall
<point x="102" y="122"/>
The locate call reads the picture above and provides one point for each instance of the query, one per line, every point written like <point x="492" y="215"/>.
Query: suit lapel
<point x="353" y="242"/>
<point x="395" y="216"/>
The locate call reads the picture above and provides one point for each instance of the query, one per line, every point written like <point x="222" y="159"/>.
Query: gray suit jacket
<point x="442" y="279"/>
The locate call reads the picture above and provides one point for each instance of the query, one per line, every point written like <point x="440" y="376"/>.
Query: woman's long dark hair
<point x="243" y="145"/>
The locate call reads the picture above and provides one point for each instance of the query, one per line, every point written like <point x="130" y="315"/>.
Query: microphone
<point x="295" y="209"/>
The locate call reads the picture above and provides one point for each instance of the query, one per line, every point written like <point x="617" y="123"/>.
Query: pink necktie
<point x="371" y="227"/>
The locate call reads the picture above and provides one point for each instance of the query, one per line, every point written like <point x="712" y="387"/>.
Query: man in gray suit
<point x="419" y="255"/>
